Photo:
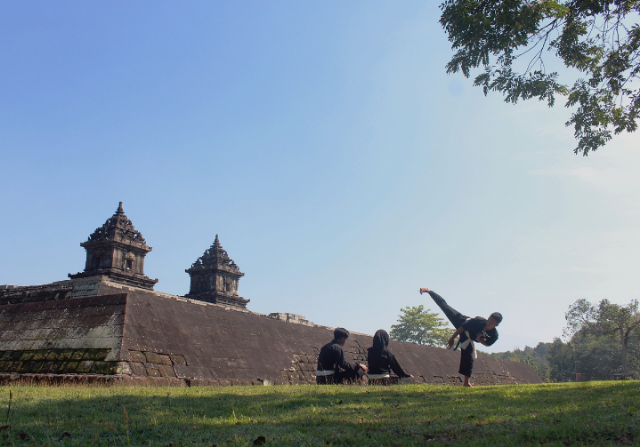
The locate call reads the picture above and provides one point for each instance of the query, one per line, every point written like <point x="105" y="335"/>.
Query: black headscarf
<point x="380" y="341"/>
<point x="381" y="360"/>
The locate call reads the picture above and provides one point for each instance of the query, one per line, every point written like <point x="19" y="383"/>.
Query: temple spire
<point x="117" y="250"/>
<point x="215" y="277"/>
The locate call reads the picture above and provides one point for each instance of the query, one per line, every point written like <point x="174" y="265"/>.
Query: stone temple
<point x="107" y="324"/>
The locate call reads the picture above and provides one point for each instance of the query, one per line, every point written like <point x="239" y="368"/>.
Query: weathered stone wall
<point x="134" y="334"/>
<point x="60" y="335"/>
<point x="209" y="344"/>
<point x="48" y="292"/>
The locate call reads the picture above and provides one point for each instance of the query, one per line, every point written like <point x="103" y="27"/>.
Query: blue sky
<point x="325" y="144"/>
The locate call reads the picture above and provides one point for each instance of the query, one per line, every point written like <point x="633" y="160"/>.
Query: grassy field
<point x="592" y="413"/>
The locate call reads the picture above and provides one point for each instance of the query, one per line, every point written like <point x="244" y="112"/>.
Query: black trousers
<point x="340" y="378"/>
<point x="456" y="318"/>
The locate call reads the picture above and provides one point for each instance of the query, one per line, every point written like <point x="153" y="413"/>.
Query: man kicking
<point x="470" y="330"/>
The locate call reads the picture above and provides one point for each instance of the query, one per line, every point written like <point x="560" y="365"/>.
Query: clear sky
<point x="325" y="144"/>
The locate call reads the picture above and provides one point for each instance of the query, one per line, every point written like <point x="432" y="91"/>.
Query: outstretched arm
<point x="459" y="331"/>
<point x="349" y="366"/>
<point x="396" y="368"/>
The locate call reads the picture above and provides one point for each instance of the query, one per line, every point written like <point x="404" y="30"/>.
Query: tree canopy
<point x="510" y="38"/>
<point x="602" y="341"/>
<point x="534" y="357"/>
<point x="419" y="325"/>
<point x="619" y="323"/>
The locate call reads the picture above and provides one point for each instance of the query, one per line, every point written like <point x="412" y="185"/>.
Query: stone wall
<point x="62" y="335"/>
<point x="137" y="335"/>
<point x="232" y="347"/>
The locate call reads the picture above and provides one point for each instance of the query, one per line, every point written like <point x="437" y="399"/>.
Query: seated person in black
<point x="332" y="366"/>
<point x="470" y="330"/>
<point x="382" y="361"/>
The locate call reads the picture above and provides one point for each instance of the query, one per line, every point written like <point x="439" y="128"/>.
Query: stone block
<point x="37" y="367"/>
<point x="50" y="367"/>
<point x="178" y="360"/>
<point x="69" y="367"/>
<point x="77" y="354"/>
<point x="65" y="355"/>
<point x="63" y="368"/>
<point x="15" y="355"/>
<point x="39" y="354"/>
<point x="95" y="354"/>
<point x="153" y="372"/>
<point x="15" y="366"/>
<point x="84" y="366"/>
<point x="52" y="355"/>
<point x="99" y="367"/>
<point x="27" y="367"/>
<point x="166" y="371"/>
<point x="137" y="356"/>
<point x="138" y="369"/>
<point x="119" y="368"/>
<point x="26" y="356"/>
<point x="152" y="357"/>
<point x="164" y="360"/>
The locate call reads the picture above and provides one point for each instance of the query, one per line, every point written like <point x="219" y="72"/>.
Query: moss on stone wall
<point x="60" y="361"/>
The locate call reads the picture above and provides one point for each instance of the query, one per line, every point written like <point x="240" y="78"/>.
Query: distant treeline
<point x="585" y="357"/>
<point x="603" y="344"/>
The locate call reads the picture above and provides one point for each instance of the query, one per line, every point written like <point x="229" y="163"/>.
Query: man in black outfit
<point x="333" y="369"/>
<point x="470" y="330"/>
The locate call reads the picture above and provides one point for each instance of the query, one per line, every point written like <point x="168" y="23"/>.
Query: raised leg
<point x="455" y="317"/>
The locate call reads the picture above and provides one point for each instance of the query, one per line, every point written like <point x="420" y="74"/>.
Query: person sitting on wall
<point x="470" y="330"/>
<point x="382" y="361"/>
<point x="332" y="366"/>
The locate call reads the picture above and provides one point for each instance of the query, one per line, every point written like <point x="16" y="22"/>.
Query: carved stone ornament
<point x="118" y="228"/>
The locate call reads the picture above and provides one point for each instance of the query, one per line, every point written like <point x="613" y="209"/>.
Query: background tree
<point x="600" y="39"/>
<point x="535" y="357"/>
<point x="606" y="320"/>
<point x="593" y="356"/>
<point x="603" y="340"/>
<point x="419" y="325"/>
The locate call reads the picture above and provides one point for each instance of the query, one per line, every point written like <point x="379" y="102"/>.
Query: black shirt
<point x="384" y="362"/>
<point x="380" y="359"/>
<point x="475" y="326"/>
<point x="331" y="357"/>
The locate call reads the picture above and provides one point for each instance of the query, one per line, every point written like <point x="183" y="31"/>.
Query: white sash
<point x="466" y="343"/>
<point x="324" y="372"/>
<point x="378" y="376"/>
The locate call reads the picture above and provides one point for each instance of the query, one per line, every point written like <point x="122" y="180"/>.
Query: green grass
<point x="592" y="413"/>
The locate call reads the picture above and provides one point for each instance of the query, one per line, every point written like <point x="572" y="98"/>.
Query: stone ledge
<point x="87" y="379"/>
<point x="98" y="379"/>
